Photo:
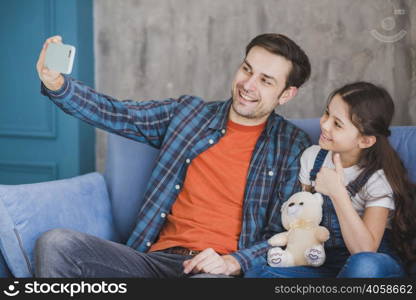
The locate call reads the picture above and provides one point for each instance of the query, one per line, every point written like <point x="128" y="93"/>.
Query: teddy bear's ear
<point x="319" y="198"/>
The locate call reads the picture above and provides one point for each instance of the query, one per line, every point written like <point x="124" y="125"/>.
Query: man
<point x="224" y="169"/>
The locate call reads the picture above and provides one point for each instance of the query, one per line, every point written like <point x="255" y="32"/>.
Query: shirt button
<point x="177" y="186"/>
<point x="148" y="244"/>
<point x="223" y="131"/>
<point x="271" y="173"/>
<point x="188" y="160"/>
<point x="211" y="141"/>
<point x="163" y="215"/>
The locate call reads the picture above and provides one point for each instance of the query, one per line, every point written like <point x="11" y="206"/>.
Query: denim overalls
<point x="329" y="216"/>
<point x="337" y="253"/>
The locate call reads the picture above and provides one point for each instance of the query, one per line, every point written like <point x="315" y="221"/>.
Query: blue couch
<point x="106" y="206"/>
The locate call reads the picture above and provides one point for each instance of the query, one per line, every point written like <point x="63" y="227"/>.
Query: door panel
<point x="38" y="142"/>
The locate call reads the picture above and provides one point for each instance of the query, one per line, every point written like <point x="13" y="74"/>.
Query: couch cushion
<point x="28" y="210"/>
<point x="128" y="169"/>
<point x="403" y="139"/>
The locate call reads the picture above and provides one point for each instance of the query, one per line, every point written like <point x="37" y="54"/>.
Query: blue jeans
<point x="360" y="265"/>
<point x="67" y="253"/>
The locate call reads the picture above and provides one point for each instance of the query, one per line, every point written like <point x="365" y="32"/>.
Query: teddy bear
<point x="304" y="238"/>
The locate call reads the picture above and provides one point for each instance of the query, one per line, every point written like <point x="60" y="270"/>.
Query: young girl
<point x="369" y="205"/>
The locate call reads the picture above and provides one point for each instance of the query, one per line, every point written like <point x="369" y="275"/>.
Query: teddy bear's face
<point x="302" y="206"/>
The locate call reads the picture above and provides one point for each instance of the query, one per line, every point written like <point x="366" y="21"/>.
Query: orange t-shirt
<point x="208" y="210"/>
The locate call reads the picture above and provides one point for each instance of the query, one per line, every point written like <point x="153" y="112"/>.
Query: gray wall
<point x="152" y="49"/>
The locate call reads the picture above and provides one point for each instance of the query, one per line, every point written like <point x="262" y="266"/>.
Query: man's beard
<point x="248" y="115"/>
<point x="252" y="115"/>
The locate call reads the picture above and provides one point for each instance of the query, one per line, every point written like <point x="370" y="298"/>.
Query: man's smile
<point x="246" y="98"/>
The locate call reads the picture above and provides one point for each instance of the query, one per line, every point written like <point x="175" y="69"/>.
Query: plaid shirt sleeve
<point x="257" y="254"/>
<point x="142" y="121"/>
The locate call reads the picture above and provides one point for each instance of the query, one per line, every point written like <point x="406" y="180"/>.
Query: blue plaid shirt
<point x="182" y="129"/>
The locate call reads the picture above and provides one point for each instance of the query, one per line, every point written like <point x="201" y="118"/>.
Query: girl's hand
<point x="331" y="181"/>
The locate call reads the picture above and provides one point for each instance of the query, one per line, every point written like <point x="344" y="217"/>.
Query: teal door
<point x="38" y="142"/>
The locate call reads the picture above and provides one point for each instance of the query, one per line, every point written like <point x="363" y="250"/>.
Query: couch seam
<point x="29" y="266"/>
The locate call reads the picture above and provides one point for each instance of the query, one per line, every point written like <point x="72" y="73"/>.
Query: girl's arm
<point x="360" y="234"/>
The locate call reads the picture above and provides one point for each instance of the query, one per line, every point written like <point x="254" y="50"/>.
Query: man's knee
<point x="56" y="240"/>
<point x="54" y="249"/>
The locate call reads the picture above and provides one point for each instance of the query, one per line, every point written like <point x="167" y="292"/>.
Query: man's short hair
<point x="283" y="46"/>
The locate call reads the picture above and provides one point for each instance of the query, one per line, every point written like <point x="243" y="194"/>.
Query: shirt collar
<point x="220" y="119"/>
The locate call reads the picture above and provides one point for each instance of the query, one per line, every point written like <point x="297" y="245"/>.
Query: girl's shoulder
<point x="306" y="163"/>
<point x="308" y="157"/>
<point x="310" y="153"/>
<point x="378" y="184"/>
<point x="378" y="192"/>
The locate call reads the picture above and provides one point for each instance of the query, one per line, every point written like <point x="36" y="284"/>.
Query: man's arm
<point x="208" y="261"/>
<point x="286" y="187"/>
<point x="144" y="121"/>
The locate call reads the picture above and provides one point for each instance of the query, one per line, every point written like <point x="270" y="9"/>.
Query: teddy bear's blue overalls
<point x="337" y="253"/>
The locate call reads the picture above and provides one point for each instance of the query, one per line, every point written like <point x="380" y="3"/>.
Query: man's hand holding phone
<point x="52" y="79"/>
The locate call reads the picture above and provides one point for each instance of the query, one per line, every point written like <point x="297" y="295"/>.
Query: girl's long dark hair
<point x="371" y="111"/>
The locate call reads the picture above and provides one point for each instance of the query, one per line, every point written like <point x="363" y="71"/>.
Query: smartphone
<point x="60" y="57"/>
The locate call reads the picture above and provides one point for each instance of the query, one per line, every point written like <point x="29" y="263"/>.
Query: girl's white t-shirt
<point x="376" y="192"/>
